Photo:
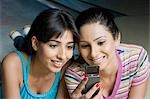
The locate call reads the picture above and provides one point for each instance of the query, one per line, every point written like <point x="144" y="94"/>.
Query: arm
<point x="10" y="75"/>
<point x="140" y="80"/>
<point x="138" y="92"/>
<point x="62" y="91"/>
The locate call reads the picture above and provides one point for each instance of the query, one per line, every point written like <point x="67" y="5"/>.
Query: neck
<point x="111" y="69"/>
<point x="37" y="69"/>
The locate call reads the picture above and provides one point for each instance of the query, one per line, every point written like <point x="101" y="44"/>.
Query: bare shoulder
<point x="12" y="75"/>
<point x="12" y="59"/>
<point x="11" y="63"/>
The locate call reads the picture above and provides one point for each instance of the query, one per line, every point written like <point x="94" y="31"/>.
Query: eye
<point x="70" y="47"/>
<point x="101" y="42"/>
<point x="53" y="46"/>
<point x="84" y="46"/>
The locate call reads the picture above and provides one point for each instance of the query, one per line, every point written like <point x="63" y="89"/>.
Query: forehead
<point x="66" y="35"/>
<point x="93" y="30"/>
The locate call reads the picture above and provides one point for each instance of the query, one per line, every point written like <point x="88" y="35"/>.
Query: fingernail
<point x="85" y="75"/>
<point x="85" y="79"/>
<point x="100" y="83"/>
<point x="97" y="85"/>
<point x="102" y="88"/>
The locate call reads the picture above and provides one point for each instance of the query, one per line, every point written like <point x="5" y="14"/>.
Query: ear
<point x="117" y="40"/>
<point x="34" y="43"/>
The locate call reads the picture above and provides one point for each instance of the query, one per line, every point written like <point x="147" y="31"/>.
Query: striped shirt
<point x="133" y="70"/>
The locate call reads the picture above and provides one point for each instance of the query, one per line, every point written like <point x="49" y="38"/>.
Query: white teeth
<point x="98" y="60"/>
<point x="58" y="63"/>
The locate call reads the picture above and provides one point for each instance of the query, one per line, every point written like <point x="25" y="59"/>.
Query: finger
<point x="81" y="86"/>
<point x="99" y="95"/>
<point x="90" y="93"/>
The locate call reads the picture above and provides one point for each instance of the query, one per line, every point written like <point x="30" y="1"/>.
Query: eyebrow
<point x="60" y="42"/>
<point x="98" y="38"/>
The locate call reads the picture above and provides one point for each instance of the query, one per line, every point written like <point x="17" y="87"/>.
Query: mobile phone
<point x="92" y="72"/>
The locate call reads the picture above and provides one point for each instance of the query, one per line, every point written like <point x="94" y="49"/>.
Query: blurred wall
<point x="135" y="30"/>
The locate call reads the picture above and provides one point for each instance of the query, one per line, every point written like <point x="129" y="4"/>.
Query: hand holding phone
<point x="92" y="72"/>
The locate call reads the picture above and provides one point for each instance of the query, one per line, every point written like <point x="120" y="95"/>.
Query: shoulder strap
<point x="24" y="64"/>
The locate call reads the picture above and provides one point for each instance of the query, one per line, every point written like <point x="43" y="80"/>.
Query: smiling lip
<point x="98" y="60"/>
<point x="58" y="64"/>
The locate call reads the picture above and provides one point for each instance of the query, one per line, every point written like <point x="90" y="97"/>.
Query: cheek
<point x="46" y="52"/>
<point x="84" y="53"/>
<point x="109" y="49"/>
<point x="69" y="54"/>
<point x="112" y="46"/>
<point x="43" y="54"/>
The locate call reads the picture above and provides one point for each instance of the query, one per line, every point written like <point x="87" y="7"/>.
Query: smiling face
<point x="97" y="45"/>
<point x="56" y="52"/>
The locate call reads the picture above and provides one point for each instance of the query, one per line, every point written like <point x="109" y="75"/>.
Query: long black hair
<point x="49" y="23"/>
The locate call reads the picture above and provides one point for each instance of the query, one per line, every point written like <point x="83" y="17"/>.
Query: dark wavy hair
<point x="49" y="23"/>
<point x="94" y="15"/>
<point x="97" y="14"/>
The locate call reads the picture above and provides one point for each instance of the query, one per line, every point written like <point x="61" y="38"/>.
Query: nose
<point x="93" y="51"/>
<point x="61" y="54"/>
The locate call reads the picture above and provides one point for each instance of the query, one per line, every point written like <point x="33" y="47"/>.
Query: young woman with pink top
<point x="123" y="68"/>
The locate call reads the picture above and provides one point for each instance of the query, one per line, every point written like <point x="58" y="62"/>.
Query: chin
<point x="56" y="70"/>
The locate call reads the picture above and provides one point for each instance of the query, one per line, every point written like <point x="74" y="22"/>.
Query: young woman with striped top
<point x="124" y="68"/>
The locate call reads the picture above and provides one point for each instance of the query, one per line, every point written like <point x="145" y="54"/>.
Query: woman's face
<point x="56" y="52"/>
<point x="97" y="45"/>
